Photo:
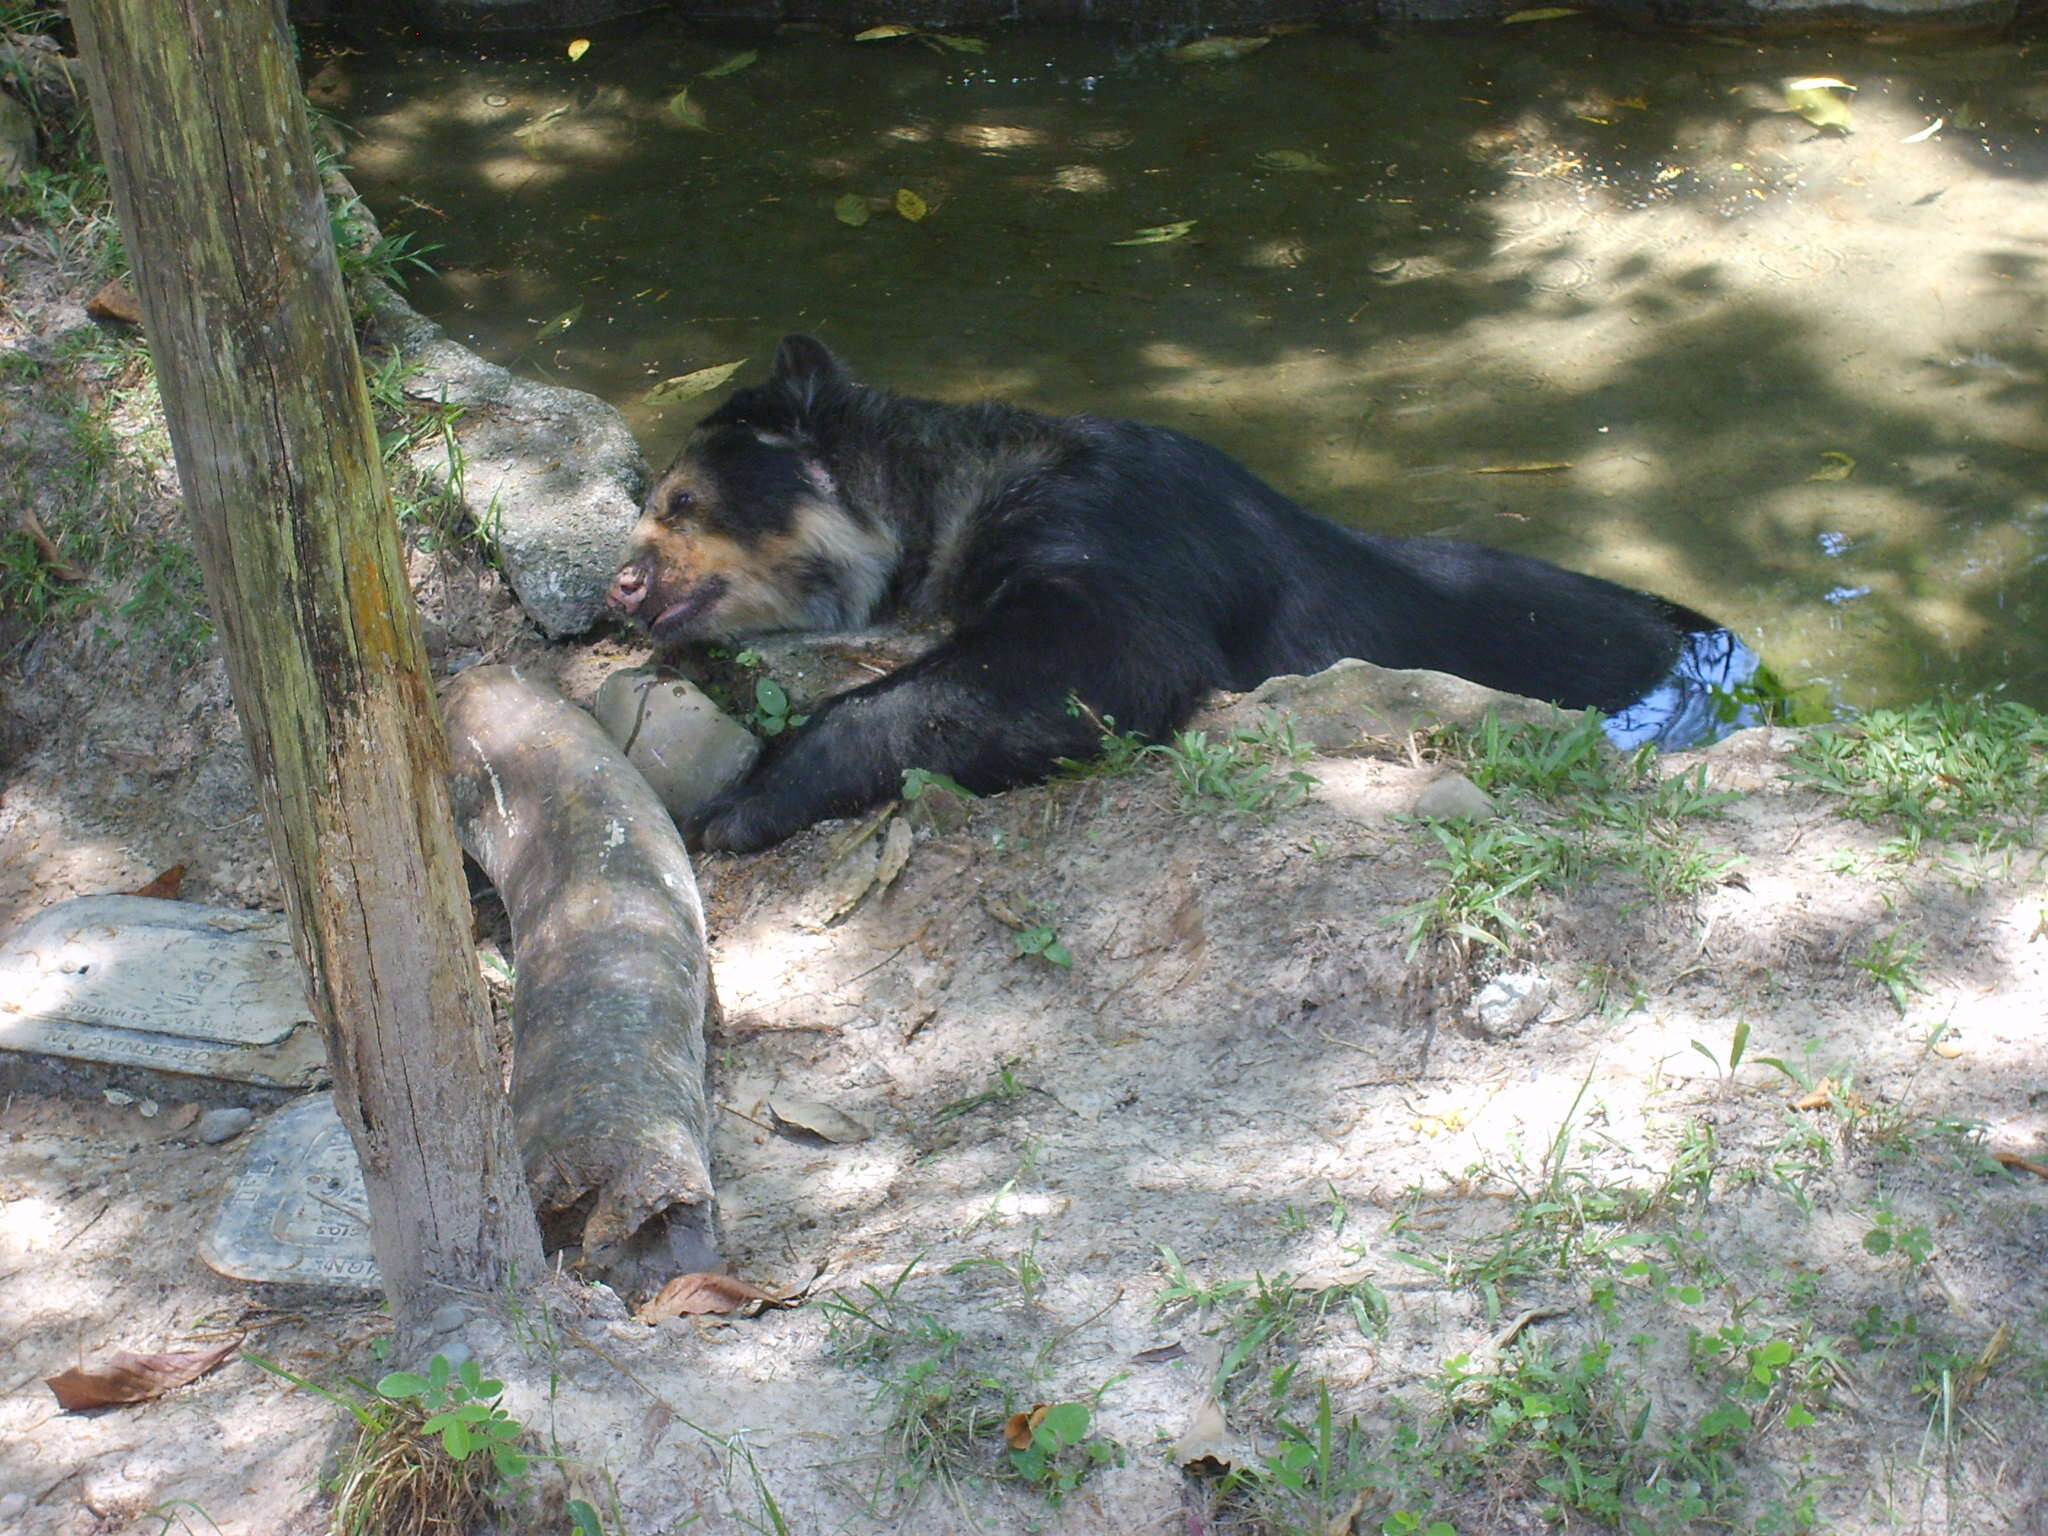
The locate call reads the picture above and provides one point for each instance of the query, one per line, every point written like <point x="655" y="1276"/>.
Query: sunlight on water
<point x="1602" y="297"/>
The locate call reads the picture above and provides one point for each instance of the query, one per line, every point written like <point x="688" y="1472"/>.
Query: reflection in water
<point x="1710" y="693"/>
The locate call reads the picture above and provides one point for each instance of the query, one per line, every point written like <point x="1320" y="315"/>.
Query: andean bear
<point x="1130" y="567"/>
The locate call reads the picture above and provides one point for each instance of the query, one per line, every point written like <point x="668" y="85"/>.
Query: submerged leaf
<point x="560" y="323"/>
<point x="1540" y="13"/>
<point x="957" y="43"/>
<point x="1815" y="100"/>
<point x="910" y="205"/>
<point x="685" y="113"/>
<point x="1834" y="466"/>
<point x="578" y="48"/>
<point x="1158" y="234"/>
<point x="687" y="386"/>
<point x="1217" y="50"/>
<point x="851" y="209"/>
<point x="733" y="65"/>
<point x="887" y="30"/>
<point x="1294" y="160"/>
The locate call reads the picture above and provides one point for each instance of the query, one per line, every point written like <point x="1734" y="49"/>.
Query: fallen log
<point x="612" y="980"/>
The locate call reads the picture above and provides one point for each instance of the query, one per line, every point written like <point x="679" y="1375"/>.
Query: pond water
<point x="1622" y="300"/>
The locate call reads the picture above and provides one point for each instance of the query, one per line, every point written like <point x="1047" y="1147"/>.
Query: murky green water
<point x="1601" y="297"/>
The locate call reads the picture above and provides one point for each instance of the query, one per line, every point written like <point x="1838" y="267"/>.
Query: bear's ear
<point x="807" y="370"/>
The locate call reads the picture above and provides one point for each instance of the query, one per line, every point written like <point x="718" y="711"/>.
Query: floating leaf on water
<point x="1158" y="234"/>
<point x="560" y="323"/>
<point x="1217" y="50"/>
<point x="687" y="386"/>
<point x="540" y="124"/>
<point x="1815" y="100"/>
<point x="957" y="43"/>
<point x="851" y="209"/>
<point x="1540" y="13"/>
<point x="733" y="65"/>
<point x="1834" y="466"/>
<point x="910" y="205"/>
<point x="578" y="48"/>
<point x="685" y="113"/>
<point x="887" y="30"/>
<point x="1534" y="467"/>
<point x="1294" y="160"/>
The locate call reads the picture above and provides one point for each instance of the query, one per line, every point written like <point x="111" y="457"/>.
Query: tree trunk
<point x="200" y="119"/>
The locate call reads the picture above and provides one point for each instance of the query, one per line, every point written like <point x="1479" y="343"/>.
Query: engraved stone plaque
<point x="296" y="1212"/>
<point x="167" y="985"/>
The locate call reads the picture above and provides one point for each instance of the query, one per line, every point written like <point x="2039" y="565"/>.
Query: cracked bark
<point x="198" y="112"/>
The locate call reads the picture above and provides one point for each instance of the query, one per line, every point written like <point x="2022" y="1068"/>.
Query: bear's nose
<point x="629" y="587"/>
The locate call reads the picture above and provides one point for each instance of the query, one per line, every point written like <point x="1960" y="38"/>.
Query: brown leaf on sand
<point x="126" y="1378"/>
<point x="1018" y="1428"/>
<point x="2020" y="1164"/>
<point x="695" y="1295"/>
<point x="53" y="557"/>
<point x="164" y="887"/>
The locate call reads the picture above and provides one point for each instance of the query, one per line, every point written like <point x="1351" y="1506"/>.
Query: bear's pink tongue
<point x="692" y="603"/>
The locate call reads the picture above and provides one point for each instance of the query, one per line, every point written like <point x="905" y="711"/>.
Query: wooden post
<point x="200" y="118"/>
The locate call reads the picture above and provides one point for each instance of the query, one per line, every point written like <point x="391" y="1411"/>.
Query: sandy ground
<point x="1241" y="1065"/>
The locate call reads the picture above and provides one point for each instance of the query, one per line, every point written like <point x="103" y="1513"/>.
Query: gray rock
<point x="219" y="1125"/>
<point x="448" y="1318"/>
<point x="1509" y="1003"/>
<point x="13" y="1505"/>
<point x="685" y="746"/>
<point x="1451" y="797"/>
<point x="1350" y="700"/>
<point x="551" y="477"/>
<point x="17" y="141"/>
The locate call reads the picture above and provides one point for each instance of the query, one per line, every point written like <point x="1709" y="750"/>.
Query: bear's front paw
<point x="735" y="822"/>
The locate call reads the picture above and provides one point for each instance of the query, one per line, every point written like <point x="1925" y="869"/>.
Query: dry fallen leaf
<point x="2021" y="1164"/>
<point x="126" y="1378"/>
<point x="1018" y="1428"/>
<point x="164" y="887"/>
<point x="1820" y="1097"/>
<point x="821" y="1120"/>
<point x="896" y="845"/>
<point x="687" y="386"/>
<point x="1206" y="1447"/>
<point x="53" y="557"/>
<point x="700" y="1294"/>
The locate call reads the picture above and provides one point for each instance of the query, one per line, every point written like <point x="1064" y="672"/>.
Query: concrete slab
<point x="166" y="986"/>
<point x="296" y="1213"/>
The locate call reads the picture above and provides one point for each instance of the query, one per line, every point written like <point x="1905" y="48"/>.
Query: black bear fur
<point x="1129" y="566"/>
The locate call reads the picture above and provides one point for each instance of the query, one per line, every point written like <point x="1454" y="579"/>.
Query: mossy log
<point x="612" y="980"/>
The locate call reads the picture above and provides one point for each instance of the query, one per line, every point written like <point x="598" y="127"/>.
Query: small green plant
<point x="1892" y="960"/>
<point x="1887" y="1235"/>
<point x="1004" y="1088"/>
<point x="1121" y="752"/>
<point x="462" y="1406"/>
<point x="1043" y="940"/>
<point x="1970" y="768"/>
<point x="918" y="782"/>
<point x="1061" y="1452"/>
<point x="1253" y="772"/>
<point x="432" y="1454"/>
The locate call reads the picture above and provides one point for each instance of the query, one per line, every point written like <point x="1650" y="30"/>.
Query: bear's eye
<point x="680" y="502"/>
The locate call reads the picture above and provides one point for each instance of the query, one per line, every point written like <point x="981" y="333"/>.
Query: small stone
<point x="219" y="1125"/>
<point x="685" y="746"/>
<point x="13" y="1505"/>
<point x="116" y="304"/>
<point x="1508" y="1004"/>
<point x="449" y="1318"/>
<point x="1453" y="797"/>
